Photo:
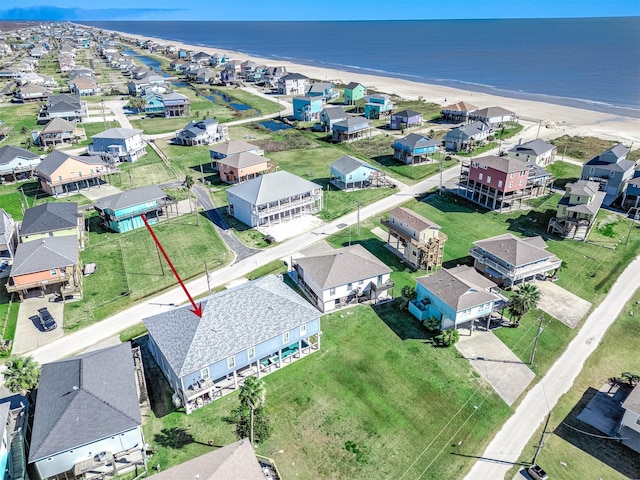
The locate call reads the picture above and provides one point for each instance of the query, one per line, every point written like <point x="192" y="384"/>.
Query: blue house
<point x="153" y="104"/>
<point x="307" y="109"/>
<point x="329" y="116"/>
<point x="378" y="105"/>
<point x="611" y="169"/>
<point x="455" y="296"/>
<point x="349" y="173"/>
<point x="123" y="212"/>
<point x="405" y="119"/>
<point x="414" y="148"/>
<point x="249" y="330"/>
<point x="351" y="129"/>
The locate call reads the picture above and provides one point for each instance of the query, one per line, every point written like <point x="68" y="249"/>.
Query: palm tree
<point x="253" y="395"/>
<point x="22" y="374"/>
<point x="526" y="297"/>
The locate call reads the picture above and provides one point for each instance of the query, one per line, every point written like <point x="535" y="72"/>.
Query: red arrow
<point x="197" y="309"/>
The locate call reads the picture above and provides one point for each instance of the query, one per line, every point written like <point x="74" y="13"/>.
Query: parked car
<point x="537" y="473"/>
<point x="47" y="322"/>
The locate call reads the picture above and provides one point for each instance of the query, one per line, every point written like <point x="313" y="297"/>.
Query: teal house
<point x="123" y="212"/>
<point x="378" y="105"/>
<point x="307" y="109"/>
<point x="153" y="104"/>
<point x="354" y="92"/>
<point x="455" y="297"/>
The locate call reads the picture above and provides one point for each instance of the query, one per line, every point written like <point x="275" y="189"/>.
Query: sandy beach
<point x="562" y="120"/>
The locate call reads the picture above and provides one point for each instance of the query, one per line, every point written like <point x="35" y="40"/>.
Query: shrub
<point x="447" y="338"/>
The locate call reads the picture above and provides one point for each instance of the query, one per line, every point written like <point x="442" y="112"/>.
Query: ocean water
<point x="591" y="63"/>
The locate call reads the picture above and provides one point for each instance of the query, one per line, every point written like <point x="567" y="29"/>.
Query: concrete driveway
<point x="562" y="304"/>
<point x="498" y="365"/>
<point x="105" y="190"/>
<point x="29" y="335"/>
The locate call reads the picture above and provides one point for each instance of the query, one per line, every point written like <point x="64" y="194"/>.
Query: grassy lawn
<point x="149" y="169"/>
<point x="93" y="129"/>
<point x="564" y="173"/>
<point x="509" y="132"/>
<point x="353" y="411"/>
<point x="129" y="268"/>
<point x="479" y="150"/>
<point x="429" y="111"/>
<point x="581" y="148"/>
<point x="275" y="267"/>
<point x="585" y="455"/>
<point x="19" y="116"/>
<point x="8" y="315"/>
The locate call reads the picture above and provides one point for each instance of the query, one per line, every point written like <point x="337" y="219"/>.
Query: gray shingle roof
<point x="502" y="164"/>
<point x="131" y="198"/>
<point x="414" y="141"/>
<point x="469" y="130"/>
<point x="352" y="85"/>
<point x="84" y="399"/>
<point x="612" y="159"/>
<point x="232" y="321"/>
<point x="271" y="187"/>
<point x="45" y="254"/>
<point x="346" y="265"/>
<point x="232" y="146"/>
<point x="411" y="218"/>
<point x="294" y="76"/>
<point x="5" y="221"/>
<point x="8" y="153"/>
<point x="120" y="133"/>
<point x="55" y="159"/>
<point x="347" y="164"/>
<point x="353" y="122"/>
<point x="514" y="250"/>
<point x="58" y="124"/>
<point x="583" y="187"/>
<point x="407" y="114"/>
<point x="320" y="87"/>
<point x="460" y="287"/>
<point x="492" y="112"/>
<point x="335" y="113"/>
<point x="232" y="462"/>
<point x="632" y="402"/>
<point x="50" y="217"/>
<point x="536" y="147"/>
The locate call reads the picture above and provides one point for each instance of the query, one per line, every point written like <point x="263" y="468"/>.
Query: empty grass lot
<point x="581" y="148"/>
<point x="377" y="401"/>
<point x="586" y="455"/>
<point x="129" y="267"/>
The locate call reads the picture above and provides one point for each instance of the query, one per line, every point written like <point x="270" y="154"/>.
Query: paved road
<point x="240" y="250"/>
<point x="84" y="338"/>
<point x="508" y="444"/>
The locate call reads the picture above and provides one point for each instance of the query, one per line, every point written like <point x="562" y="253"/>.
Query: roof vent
<point x="75" y="387"/>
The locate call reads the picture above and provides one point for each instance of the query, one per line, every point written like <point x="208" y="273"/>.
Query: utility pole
<point x="535" y="341"/>
<point x="206" y="271"/>
<point x="538" y="133"/>
<point x="565" y="152"/>
<point x="159" y="259"/>
<point x="441" y="159"/>
<point x="541" y="442"/>
<point x="358" y="229"/>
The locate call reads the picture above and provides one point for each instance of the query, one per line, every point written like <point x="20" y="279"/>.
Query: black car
<point x="47" y="322"/>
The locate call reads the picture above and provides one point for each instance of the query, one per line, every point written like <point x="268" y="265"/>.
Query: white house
<point x="536" y="151"/>
<point x="123" y="144"/>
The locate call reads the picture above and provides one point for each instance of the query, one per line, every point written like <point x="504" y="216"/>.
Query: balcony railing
<point x="285" y="206"/>
<point x="516" y="272"/>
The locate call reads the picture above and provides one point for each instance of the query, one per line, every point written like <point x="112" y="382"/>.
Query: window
<point x="360" y="282"/>
<point x="474" y="164"/>
<point x="332" y="291"/>
<point x="488" y="178"/>
<point x="204" y="373"/>
<point x="285" y="338"/>
<point x="592" y="170"/>
<point x="59" y="178"/>
<point x="521" y="182"/>
<point x="511" y="175"/>
<point x="510" y="184"/>
<point x="231" y="362"/>
<point x="303" y="330"/>
<point x="251" y="353"/>
<point x="379" y="279"/>
<point x="499" y="183"/>
<point x="480" y="176"/>
<point x="53" y="272"/>
<point x="349" y="286"/>
<point x="612" y="174"/>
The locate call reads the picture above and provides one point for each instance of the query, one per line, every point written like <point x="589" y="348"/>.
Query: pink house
<point x="242" y="166"/>
<point x="498" y="182"/>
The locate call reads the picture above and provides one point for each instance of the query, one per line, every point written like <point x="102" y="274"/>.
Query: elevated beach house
<point x="233" y="147"/>
<point x="631" y="194"/>
<point x="171" y="104"/>
<point x="629" y="428"/>
<point x="249" y="330"/>
<point x="495" y="117"/>
<point x="60" y="173"/>
<point x="118" y="145"/>
<point x="66" y="106"/>
<point x="307" y="109"/>
<point x="377" y="106"/>
<point x="331" y="115"/>
<point x="52" y="219"/>
<point x="273" y="198"/>
<point x="353" y="92"/>
<point x="416" y="240"/>
<point x="123" y="212"/>
<point x="501" y="183"/>
<point x="17" y="163"/>
<point x="48" y="265"/>
<point x="87" y="421"/>
<point x="509" y="260"/>
<point x="577" y="210"/>
<point x="202" y="132"/>
<point x="346" y="276"/>
<point x="415" y="148"/>
<point x="455" y="296"/>
<point x="242" y="166"/>
<point x="325" y="90"/>
<point x="32" y="93"/>
<point x="466" y="136"/>
<point x="405" y="119"/>
<point x="293" y="84"/>
<point x="350" y="173"/>
<point x="458" y="112"/>
<point x="59" y="131"/>
<point x="536" y="151"/>
<point x="8" y="238"/>
<point x="351" y="129"/>
<point x="611" y="170"/>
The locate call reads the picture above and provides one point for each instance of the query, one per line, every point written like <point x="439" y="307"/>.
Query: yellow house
<point x="54" y="219"/>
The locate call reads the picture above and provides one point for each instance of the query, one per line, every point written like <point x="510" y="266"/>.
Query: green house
<point x="354" y="92"/>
